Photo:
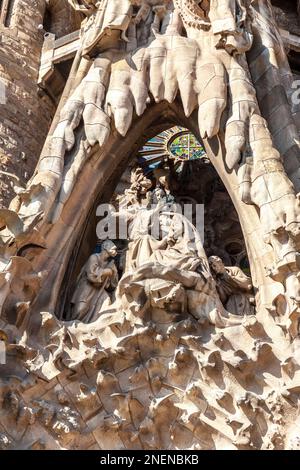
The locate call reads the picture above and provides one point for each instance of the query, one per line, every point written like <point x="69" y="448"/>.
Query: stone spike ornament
<point x="157" y="343"/>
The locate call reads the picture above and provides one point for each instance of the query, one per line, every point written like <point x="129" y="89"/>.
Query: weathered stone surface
<point x="24" y="126"/>
<point x="159" y="340"/>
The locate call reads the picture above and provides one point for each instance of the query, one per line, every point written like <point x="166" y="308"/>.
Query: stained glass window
<point x="186" y="147"/>
<point x="177" y="143"/>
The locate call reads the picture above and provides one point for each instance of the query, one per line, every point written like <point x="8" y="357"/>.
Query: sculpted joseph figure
<point x="98" y="275"/>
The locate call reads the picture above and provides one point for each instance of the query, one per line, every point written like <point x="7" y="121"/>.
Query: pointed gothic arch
<point x="104" y="169"/>
<point x="157" y="350"/>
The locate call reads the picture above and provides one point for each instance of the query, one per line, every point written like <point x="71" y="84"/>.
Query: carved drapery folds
<point x="97" y="276"/>
<point x="131" y="43"/>
<point x="148" y="352"/>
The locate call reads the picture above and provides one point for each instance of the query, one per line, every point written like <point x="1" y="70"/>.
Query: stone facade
<point x="154" y="337"/>
<point x="23" y="128"/>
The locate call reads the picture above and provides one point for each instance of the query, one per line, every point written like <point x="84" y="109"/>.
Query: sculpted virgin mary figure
<point x="166" y="264"/>
<point x="156" y="227"/>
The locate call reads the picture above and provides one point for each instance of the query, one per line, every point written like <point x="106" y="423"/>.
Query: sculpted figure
<point x="231" y="25"/>
<point x="162" y="190"/>
<point x="155" y="371"/>
<point x="161" y="240"/>
<point x="190" y="290"/>
<point x="127" y="69"/>
<point x="105" y="18"/>
<point x="138" y="194"/>
<point x="200" y="50"/>
<point x="182" y="246"/>
<point x="145" y="7"/>
<point x="98" y="275"/>
<point x="3" y="340"/>
<point x="142" y="210"/>
<point x="155" y="224"/>
<point x="135" y="209"/>
<point x="169" y="272"/>
<point x="84" y="6"/>
<point x="233" y="286"/>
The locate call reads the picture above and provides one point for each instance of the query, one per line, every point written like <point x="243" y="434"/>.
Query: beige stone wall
<point x="27" y="114"/>
<point x="62" y="18"/>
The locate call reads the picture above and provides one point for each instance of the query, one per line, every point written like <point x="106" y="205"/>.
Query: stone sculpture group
<point x="177" y="351"/>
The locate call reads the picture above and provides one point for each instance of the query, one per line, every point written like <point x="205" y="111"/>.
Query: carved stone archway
<point x="112" y="161"/>
<point x="143" y="375"/>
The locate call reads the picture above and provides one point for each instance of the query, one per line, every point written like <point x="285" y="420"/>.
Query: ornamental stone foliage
<point x="175" y="335"/>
